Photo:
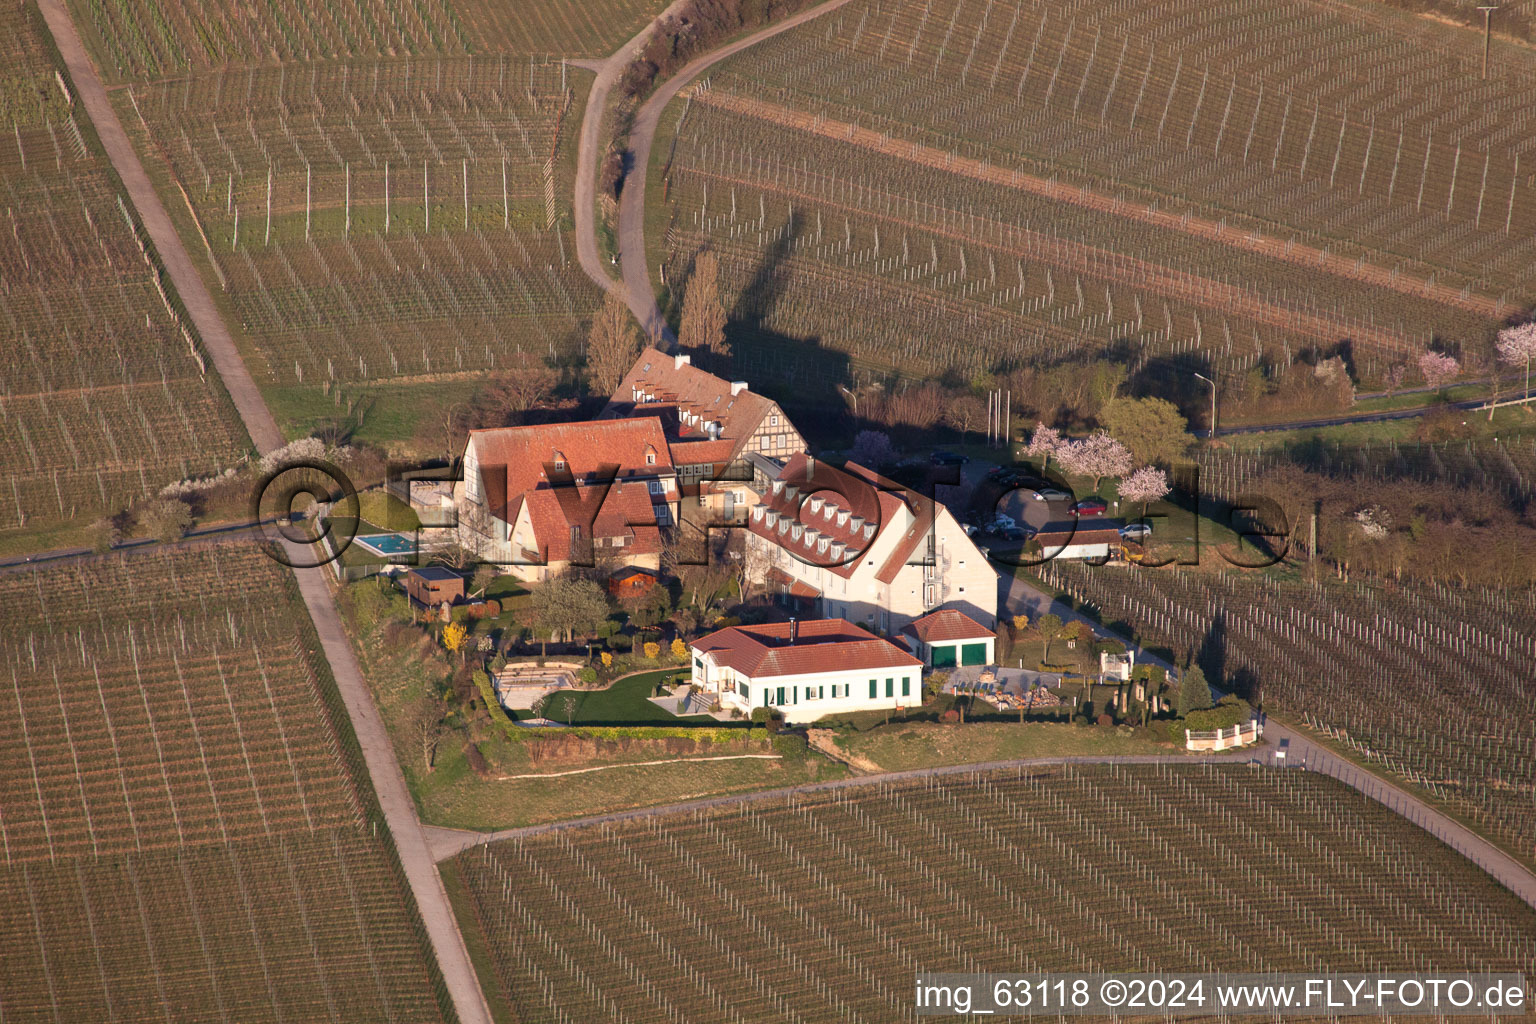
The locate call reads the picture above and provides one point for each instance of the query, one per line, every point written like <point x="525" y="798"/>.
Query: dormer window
<point x="559" y="459"/>
<point x="650" y="456"/>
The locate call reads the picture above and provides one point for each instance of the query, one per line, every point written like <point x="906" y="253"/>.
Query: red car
<point x="1090" y="507"/>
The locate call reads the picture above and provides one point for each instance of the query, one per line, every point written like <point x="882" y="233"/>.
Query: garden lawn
<point x="626" y="702"/>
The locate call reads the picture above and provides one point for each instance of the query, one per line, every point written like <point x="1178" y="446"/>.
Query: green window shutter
<point x="873" y="691"/>
<point x="906" y="686"/>
<point x="890" y="686"/>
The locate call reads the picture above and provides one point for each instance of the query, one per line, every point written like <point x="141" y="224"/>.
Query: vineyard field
<point x="997" y="274"/>
<point x="822" y="906"/>
<point x="142" y="40"/>
<point x="1460" y="723"/>
<point x="376" y="221"/>
<point x="187" y="827"/>
<point x="105" y="393"/>
<point x="1385" y="206"/>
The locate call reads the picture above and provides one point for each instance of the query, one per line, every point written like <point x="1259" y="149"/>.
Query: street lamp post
<point x="1212" y="383"/>
<point x="852" y="395"/>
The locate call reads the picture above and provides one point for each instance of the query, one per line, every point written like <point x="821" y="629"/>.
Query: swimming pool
<point x="390" y="545"/>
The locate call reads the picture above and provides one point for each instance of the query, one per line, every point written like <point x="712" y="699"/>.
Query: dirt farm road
<point x="631" y="235"/>
<point x="394" y="798"/>
<point x="608" y="71"/>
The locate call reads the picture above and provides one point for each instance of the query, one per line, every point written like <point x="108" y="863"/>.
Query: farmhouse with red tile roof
<point x="805" y="670"/>
<point x="713" y="425"/>
<point x="866" y="548"/>
<point x="537" y="498"/>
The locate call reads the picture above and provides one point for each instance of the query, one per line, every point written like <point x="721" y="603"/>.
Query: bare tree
<point x="964" y="412"/>
<point x="612" y="344"/>
<point x="427" y="721"/>
<point x="704" y="319"/>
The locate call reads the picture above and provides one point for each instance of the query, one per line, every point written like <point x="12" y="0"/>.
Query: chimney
<point x="810" y="463"/>
<point x="737" y="387"/>
<point x="794" y="629"/>
<point x="679" y="361"/>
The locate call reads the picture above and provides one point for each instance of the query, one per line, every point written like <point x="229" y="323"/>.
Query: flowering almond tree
<point x="1044" y="442"/>
<point x="1097" y="455"/>
<point x="1146" y="485"/>
<point x="1518" y="345"/>
<point x="1438" y="369"/>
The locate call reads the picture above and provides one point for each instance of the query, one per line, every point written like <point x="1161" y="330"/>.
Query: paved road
<point x="632" y="259"/>
<point x="1338" y="421"/>
<point x="394" y="798"/>
<point x="178" y="265"/>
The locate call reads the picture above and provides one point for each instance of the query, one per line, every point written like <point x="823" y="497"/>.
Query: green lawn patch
<point x="626" y="702"/>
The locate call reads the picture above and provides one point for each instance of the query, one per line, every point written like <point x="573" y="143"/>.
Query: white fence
<point x="1223" y="739"/>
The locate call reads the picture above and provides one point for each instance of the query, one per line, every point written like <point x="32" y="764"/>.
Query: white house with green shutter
<point x="948" y="639"/>
<point x="807" y="670"/>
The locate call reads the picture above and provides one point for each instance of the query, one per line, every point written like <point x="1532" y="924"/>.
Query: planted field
<point x="149" y="39"/>
<point x="823" y="907"/>
<point x="1004" y="274"/>
<point x="1237" y="195"/>
<point x="104" y="392"/>
<point x="385" y="219"/>
<point x="1431" y="683"/>
<point x="185" y="829"/>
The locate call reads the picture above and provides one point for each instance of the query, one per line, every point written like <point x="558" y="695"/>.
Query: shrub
<point x="652" y="650"/>
<point x="103" y="535"/>
<point x="1231" y="711"/>
<point x="166" y="519"/>
<point x="587" y="675"/>
<point x="790" y="744"/>
<point x="475" y="759"/>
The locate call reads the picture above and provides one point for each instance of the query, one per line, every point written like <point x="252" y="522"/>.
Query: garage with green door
<point x="971" y="654"/>
<point x="943" y="655"/>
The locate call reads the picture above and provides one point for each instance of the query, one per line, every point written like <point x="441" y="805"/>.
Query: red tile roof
<point x="669" y="382"/>
<point x="821" y="645"/>
<point x="945" y="625"/>
<point x="1059" y="535"/>
<point x="826" y="504"/>
<point x="626" y="512"/>
<point x="512" y="459"/>
<point x="692" y="453"/>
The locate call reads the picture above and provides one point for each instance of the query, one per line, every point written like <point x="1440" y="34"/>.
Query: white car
<point x="1050" y="495"/>
<point x="1136" y="531"/>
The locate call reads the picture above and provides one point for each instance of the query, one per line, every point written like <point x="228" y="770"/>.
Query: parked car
<point x="1052" y="495"/>
<point x="1090" y="507"/>
<point x="1003" y="522"/>
<point x="970" y="529"/>
<point x="943" y="458"/>
<point x="1014" y="533"/>
<point x="1136" y="531"/>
